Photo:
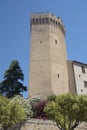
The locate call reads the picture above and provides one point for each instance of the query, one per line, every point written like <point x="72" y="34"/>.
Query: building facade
<point x="48" y="60"/>
<point x="77" y="72"/>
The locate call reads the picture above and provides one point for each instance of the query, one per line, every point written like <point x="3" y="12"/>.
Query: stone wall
<point x="37" y="124"/>
<point x="48" y="69"/>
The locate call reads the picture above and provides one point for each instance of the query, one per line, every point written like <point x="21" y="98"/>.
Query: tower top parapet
<point x="47" y="18"/>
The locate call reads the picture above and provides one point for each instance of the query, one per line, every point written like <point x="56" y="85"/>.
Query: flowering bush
<point x="38" y="110"/>
<point x="34" y="100"/>
<point x="25" y="103"/>
<point x="38" y="106"/>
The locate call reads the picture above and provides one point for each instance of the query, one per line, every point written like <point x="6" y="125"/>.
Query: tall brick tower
<point x="48" y="67"/>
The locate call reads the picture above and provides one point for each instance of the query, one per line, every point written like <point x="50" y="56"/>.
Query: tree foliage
<point x="11" y="85"/>
<point x="67" y="111"/>
<point x="11" y="112"/>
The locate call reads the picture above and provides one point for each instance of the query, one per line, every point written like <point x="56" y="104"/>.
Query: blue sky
<point x="15" y="30"/>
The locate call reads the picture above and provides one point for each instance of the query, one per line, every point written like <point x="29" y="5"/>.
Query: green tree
<point x="11" y="112"/>
<point x="11" y="85"/>
<point x="68" y="111"/>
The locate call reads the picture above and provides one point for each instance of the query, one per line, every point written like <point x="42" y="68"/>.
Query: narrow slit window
<point x="81" y="90"/>
<point x="79" y="75"/>
<point x="58" y="75"/>
<point x="55" y="41"/>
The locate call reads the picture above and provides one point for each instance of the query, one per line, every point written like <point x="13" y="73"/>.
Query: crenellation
<point x="50" y="19"/>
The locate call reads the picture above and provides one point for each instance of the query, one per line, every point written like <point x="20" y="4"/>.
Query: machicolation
<point x="43" y="19"/>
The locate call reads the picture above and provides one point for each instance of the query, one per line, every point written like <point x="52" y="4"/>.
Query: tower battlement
<point x="47" y="18"/>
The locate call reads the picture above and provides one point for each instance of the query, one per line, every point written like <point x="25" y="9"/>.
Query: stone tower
<point x="48" y="67"/>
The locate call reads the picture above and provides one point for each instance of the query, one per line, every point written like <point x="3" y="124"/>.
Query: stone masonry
<point x="48" y="67"/>
<point x="37" y="124"/>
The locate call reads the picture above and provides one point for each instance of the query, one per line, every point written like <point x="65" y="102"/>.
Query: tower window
<point x="40" y="41"/>
<point x="83" y="69"/>
<point x="55" y="41"/>
<point x="79" y="75"/>
<point x="85" y="84"/>
<point x="81" y="90"/>
<point x="58" y="75"/>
